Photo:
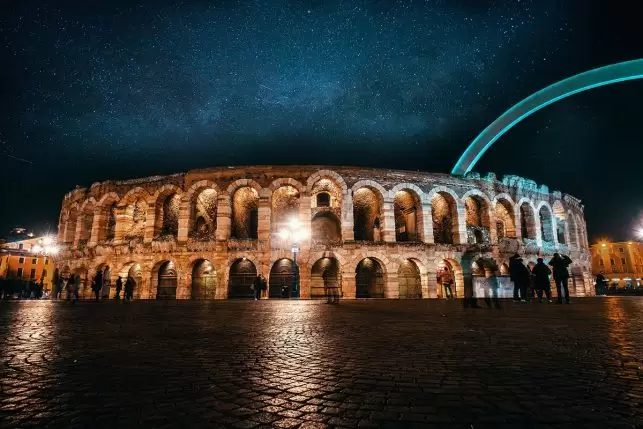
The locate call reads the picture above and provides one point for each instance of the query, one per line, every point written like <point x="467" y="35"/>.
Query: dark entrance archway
<point x="167" y="281"/>
<point x="281" y="275"/>
<point x="369" y="279"/>
<point x="242" y="275"/>
<point x="137" y="274"/>
<point x="409" y="279"/>
<point x="204" y="280"/>
<point x="324" y="275"/>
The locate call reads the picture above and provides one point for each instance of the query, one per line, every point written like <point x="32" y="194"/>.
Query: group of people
<point x="100" y="284"/>
<point x="528" y="282"/>
<point x="258" y="286"/>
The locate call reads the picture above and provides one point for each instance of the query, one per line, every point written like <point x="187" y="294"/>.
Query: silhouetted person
<point x="97" y="284"/>
<point x="601" y="284"/>
<point x="119" y="286"/>
<point x="256" y="287"/>
<point x="56" y="283"/>
<point x="264" y="285"/>
<point x="129" y="288"/>
<point x="541" y="274"/>
<point x="559" y="265"/>
<point x="519" y="275"/>
<point x="446" y="278"/>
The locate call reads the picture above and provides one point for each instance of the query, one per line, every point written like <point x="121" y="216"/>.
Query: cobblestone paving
<point x="310" y="365"/>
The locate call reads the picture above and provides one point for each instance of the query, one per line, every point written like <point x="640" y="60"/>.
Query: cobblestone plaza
<point x="413" y="363"/>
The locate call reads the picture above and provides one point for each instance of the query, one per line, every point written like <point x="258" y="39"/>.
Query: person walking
<point x="256" y="288"/>
<point x="601" y="284"/>
<point x="107" y="275"/>
<point x="119" y="286"/>
<point x="75" y="287"/>
<point x="519" y="275"/>
<point x="97" y="284"/>
<point x="129" y="288"/>
<point x="541" y="274"/>
<point x="559" y="266"/>
<point x="446" y="278"/>
<point x="264" y="285"/>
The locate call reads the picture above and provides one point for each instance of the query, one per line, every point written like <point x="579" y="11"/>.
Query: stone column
<point x="493" y="233"/>
<point x="427" y="221"/>
<point x="430" y="285"/>
<point x="539" y="235"/>
<point x="224" y="218"/>
<point x="184" y="222"/>
<point x="348" y="284"/>
<point x="348" y="234"/>
<point x="80" y="221"/>
<point x="97" y="221"/>
<point x="460" y="229"/>
<point x="121" y="225"/>
<point x="517" y="223"/>
<point x="388" y="212"/>
<point x="263" y="214"/>
<point x="150" y="222"/>
<point x="391" y="286"/>
<point x="305" y="221"/>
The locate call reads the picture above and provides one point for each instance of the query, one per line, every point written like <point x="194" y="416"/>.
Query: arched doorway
<point x="281" y="277"/>
<point x="445" y="266"/>
<point x="409" y="279"/>
<point x="242" y="275"/>
<point x="136" y="273"/>
<point x="323" y="275"/>
<point x="369" y="279"/>
<point x="204" y="280"/>
<point x="167" y="281"/>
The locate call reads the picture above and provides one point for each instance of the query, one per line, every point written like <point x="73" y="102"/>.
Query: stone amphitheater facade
<point x="377" y="233"/>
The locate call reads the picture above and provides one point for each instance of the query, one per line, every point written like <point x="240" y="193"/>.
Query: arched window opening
<point x="409" y="280"/>
<point x="168" y="217"/>
<point x="445" y="214"/>
<point x="546" y="227"/>
<point x="203" y="211"/>
<point x="326" y="229"/>
<point x="323" y="199"/>
<point x="135" y="220"/>
<point x="527" y="222"/>
<point x="245" y="214"/>
<point x="367" y="209"/>
<point x="407" y="212"/>
<point x="477" y="217"/>
<point x="505" y="220"/>
<point x="285" y="207"/>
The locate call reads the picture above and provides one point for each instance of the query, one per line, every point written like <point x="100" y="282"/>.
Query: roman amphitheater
<point x="372" y="233"/>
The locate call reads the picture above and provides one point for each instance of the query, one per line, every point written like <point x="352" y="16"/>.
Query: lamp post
<point x="295" y="234"/>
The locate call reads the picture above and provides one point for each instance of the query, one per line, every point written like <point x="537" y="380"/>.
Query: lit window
<point x="32" y="275"/>
<point x="21" y="260"/>
<point x="323" y="199"/>
<point x="612" y="261"/>
<point x="620" y="249"/>
<point x="21" y="246"/>
<point x="34" y="261"/>
<point x="623" y="261"/>
<point x="600" y="262"/>
<point x="47" y="260"/>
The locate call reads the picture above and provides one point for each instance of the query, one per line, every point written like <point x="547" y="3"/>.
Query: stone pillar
<point x="391" y="285"/>
<point x="388" y="212"/>
<point x="121" y="225"/>
<point x="150" y="222"/>
<point x="305" y="221"/>
<point x="554" y="225"/>
<point x="97" y="221"/>
<point x="539" y="235"/>
<point x="224" y="218"/>
<point x="517" y="223"/>
<point x="460" y="229"/>
<point x="80" y="221"/>
<point x="184" y="222"/>
<point x="427" y="223"/>
<point x="430" y="285"/>
<point x="304" y="279"/>
<point x="348" y="284"/>
<point x="263" y="209"/>
<point x="348" y="234"/>
<point x="493" y="233"/>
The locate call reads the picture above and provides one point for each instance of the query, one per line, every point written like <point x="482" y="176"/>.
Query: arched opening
<point x="561" y="224"/>
<point x="325" y="228"/>
<point x="281" y="277"/>
<point x="70" y="225"/>
<point x="527" y="222"/>
<point x="167" y="217"/>
<point x="448" y="284"/>
<point x="445" y="218"/>
<point x="367" y="212"/>
<point x="369" y="279"/>
<point x="134" y="219"/>
<point x="203" y="215"/>
<point x="245" y="213"/>
<point x="107" y="226"/>
<point x="285" y="207"/>
<point x="408" y="216"/>
<point x="322" y="199"/>
<point x="505" y="219"/>
<point x="325" y="274"/>
<point x="546" y="225"/>
<point x="242" y="276"/>
<point x="86" y="222"/>
<point x="409" y="279"/>
<point x="477" y="217"/>
<point x="573" y="232"/>
<point x="136" y="273"/>
<point x="204" y="280"/>
<point x="167" y="281"/>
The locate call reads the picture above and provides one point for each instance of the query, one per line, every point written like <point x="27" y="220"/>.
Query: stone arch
<point x="287" y="181"/>
<point x="201" y="200"/>
<point x="70" y="223"/>
<point x="321" y="174"/>
<point x="285" y="202"/>
<point x="455" y="268"/>
<point x="327" y="182"/>
<point x="242" y="183"/>
<point x="562" y="234"/>
<point x="478" y="220"/>
<point x="166" y="204"/>
<point x="444" y="212"/>
<point x="368" y="207"/>
<point x="245" y="213"/>
<point x="242" y="275"/>
<point x="165" y="279"/>
<point x="134" y="195"/>
<point x="326" y="228"/>
<point x="370" y="184"/>
<point x="527" y="213"/>
<point x="370" y="278"/>
<point x="86" y="221"/>
<point x="545" y="215"/>
<point x="409" y="277"/>
<point x="106" y="211"/>
<point x="325" y="277"/>
<point x="505" y="216"/>
<point x="203" y="279"/>
<point x="282" y="274"/>
<point x="134" y="269"/>
<point x="407" y="212"/>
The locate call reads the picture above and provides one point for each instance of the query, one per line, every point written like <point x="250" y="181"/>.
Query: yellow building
<point x="621" y="262"/>
<point x="31" y="259"/>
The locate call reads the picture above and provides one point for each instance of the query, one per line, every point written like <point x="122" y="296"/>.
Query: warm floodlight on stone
<point x="595" y="78"/>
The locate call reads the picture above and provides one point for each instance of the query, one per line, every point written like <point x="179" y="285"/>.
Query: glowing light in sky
<point x="613" y="73"/>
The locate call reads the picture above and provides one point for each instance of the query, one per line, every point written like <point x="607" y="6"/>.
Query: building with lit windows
<point x="621" y="262"/>
<point x="368" y="233"/>
<point x="29" y="259"/>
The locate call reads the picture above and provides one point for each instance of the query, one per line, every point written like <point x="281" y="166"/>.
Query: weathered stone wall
<point x="241" y="210"/>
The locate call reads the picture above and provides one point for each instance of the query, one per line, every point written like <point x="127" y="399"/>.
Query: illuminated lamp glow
<point x="47" y="241"/>
<point x="614" y="73"/>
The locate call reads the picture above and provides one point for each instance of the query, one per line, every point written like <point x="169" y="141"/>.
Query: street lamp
<point x="295" y="234"/>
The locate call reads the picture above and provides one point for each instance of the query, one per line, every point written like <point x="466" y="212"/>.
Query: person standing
<point x="519" y="274"/>
<point x="264" y="285"/>
<point x="541" y="274"/>
<point x="447" y="280"/>
<point x="97" y="284"/>
<point x="601" y="284"/>
<point x="106" y="283"/>
<point x="55" y="282"/>
<point x="559" y="266"/>
<point x="256" y="287"/>
<point x="129" y="288"/>
<point x="75" y="287"/>
<point x="119" y="286"/>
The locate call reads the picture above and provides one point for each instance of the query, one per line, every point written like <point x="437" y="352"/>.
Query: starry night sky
<point x="124" y="89"/>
